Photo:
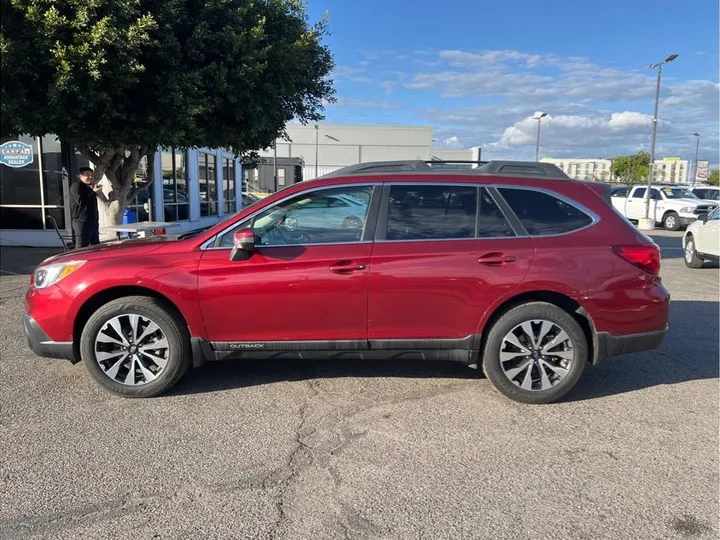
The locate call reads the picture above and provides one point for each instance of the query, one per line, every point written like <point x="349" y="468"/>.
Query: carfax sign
<point x="16" y="154"/>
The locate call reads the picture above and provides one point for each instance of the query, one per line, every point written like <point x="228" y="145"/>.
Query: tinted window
<point x="420" y="212"/>
<point x="317" y="217"/>
<point x="620" y="192"/>
<point x="655" y="195"/>
<point x="639" y="193"/>
<point x="492" y="222"/>
<point x="541" y="213"/>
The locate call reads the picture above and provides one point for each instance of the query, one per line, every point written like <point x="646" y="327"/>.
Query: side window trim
<point x="213" y="243"/>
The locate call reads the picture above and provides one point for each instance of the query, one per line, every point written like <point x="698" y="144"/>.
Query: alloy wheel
<point x="536" y="355"/>
<point x="131" y="349"/>
<point x="689" y="251"/>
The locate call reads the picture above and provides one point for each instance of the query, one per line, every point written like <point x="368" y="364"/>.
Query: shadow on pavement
<point x="690" y="352"/>
<point x="23" y="260"/>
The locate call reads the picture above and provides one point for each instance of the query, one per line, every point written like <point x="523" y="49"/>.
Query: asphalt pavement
<point x="407" y="450"/>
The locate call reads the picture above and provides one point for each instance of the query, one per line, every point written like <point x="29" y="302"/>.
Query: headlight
<point x="687" y="210"/>
<point x="52" y="273"/>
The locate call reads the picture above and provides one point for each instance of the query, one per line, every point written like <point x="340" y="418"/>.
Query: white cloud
<point x="348" y="102"/>
<point x="452" y="142"/>
<point x="488" y="98"/>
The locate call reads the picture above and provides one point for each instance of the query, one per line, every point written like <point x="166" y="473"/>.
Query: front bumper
<point x="42" y="345"/>
<point x="687" y="220"/>
<point x="608" y="345"/>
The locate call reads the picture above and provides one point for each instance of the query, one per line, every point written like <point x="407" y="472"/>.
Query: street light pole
<point x="275" y="167"/>
<point x="697" y="150"/>
<point x="538" y="116"/>
<point x="658" y="66"/>
<point x="317" y="143"/>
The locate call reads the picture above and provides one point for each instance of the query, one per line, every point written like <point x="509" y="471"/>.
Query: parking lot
<point x="314" y="450"/>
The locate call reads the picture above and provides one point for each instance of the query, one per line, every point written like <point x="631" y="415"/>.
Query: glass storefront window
<point x="207" y="180"/>
<point x="229" y="190"/>
<point x="141" y="204"/>
<point x="174" y="184"/>
<point x="21" y="186"/>
<point x="28" y="194"/>
<point x="52" y="170"/>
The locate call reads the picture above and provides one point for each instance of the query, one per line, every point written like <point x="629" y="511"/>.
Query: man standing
<point x="84" y="209"/>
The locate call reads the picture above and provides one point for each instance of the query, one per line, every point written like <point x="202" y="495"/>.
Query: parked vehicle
<point x="701" y="241"/>
<point x="672" y="207"/>
<point x="709" y="193"/>
<point x="529" y="278"/>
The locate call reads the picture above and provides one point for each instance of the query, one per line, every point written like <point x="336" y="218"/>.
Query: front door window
<point x="324" y="216"/>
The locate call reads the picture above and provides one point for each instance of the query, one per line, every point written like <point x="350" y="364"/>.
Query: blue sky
<point x="477" y="71"/>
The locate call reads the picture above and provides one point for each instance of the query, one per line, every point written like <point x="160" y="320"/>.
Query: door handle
<point x="346" y="267"/>
<point x="496" y="259"/>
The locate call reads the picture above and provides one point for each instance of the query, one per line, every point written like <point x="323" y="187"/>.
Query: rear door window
<point x="543" y="214"/>
<point x="427" y="212"/>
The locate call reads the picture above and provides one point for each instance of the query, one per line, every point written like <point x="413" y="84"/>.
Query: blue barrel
<point x="128" y="217"/>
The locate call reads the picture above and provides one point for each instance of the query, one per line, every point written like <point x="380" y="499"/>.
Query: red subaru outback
<point x="509" y="266"/>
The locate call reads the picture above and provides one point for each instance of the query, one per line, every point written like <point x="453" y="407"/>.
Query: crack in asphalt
<point x="335" y="437"/>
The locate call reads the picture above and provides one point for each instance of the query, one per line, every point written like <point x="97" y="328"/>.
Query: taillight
<point x="644" y="256"/>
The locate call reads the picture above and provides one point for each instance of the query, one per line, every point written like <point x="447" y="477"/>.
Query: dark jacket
<point x="83" y="203"/>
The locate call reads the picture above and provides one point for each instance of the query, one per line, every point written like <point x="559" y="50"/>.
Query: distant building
<point x="672" y="170"/>
<point x="315" y="151"/>
<point x="583" y="168"/>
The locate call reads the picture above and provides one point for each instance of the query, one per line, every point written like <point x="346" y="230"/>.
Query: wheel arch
<point x="93" y="303"/>
<point x="563" y="301"/>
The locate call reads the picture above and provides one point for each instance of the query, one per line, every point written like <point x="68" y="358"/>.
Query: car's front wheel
<point x="535" y="353"/>
<point x="136" y="346"/>
<point x="691" y="257"/>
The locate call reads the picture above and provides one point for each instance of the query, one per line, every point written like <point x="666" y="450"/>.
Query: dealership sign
<point x="16" y="154"/>
<point x="702" y="169"/>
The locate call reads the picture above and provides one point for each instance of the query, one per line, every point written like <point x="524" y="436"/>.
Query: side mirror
<point x="243" y="245"/>
<point x="704" y="217"/>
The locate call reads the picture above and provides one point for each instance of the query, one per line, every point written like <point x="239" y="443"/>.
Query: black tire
<point x="671" y="221"/>
<point x="179" y="356"/>
<point x="515" y="317"/>
<point x="690" y="254"/>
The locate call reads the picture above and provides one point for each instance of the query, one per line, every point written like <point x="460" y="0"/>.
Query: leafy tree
<point x="117" y="79"/>
<point x="714" y="177"/>
<point x="631" y="169"/>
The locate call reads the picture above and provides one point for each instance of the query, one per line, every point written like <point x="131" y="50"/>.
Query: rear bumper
<point x="609" y="345"/>
<point x="42" y="345"/>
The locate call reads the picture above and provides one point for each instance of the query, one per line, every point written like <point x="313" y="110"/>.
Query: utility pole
<point x="657" y="66"/>
<point x="697" y="150"/>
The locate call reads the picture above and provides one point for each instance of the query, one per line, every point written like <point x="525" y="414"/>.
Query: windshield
<point x="678" y="193"/>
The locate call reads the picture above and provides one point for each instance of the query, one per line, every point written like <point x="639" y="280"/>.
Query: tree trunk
<point x="111" y="213"/>
<point x="115" y="170"/>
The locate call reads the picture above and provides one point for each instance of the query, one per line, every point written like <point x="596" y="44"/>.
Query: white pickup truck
<point x="672" y="206"/>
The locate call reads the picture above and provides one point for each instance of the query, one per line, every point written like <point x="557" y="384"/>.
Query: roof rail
<point x="510" y="168"/>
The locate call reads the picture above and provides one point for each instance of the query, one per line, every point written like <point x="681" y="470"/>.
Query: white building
<point x="672" y="170"/>
<point x="325" y="148"/>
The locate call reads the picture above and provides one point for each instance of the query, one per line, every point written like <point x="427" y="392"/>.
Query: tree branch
<point x="87" y="153"/>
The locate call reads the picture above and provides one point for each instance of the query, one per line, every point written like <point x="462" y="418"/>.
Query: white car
<point x="701" y="241"/>
<point x="672" y="206"/>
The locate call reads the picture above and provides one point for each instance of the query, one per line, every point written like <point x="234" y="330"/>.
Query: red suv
<point x="509" y="266"/>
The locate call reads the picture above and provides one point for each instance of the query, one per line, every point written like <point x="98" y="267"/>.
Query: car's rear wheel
<point x="691" y="257"/>
<point x="535" y="353"/>
<point x="671" y="221"/>
<point x="136" y="346"/>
